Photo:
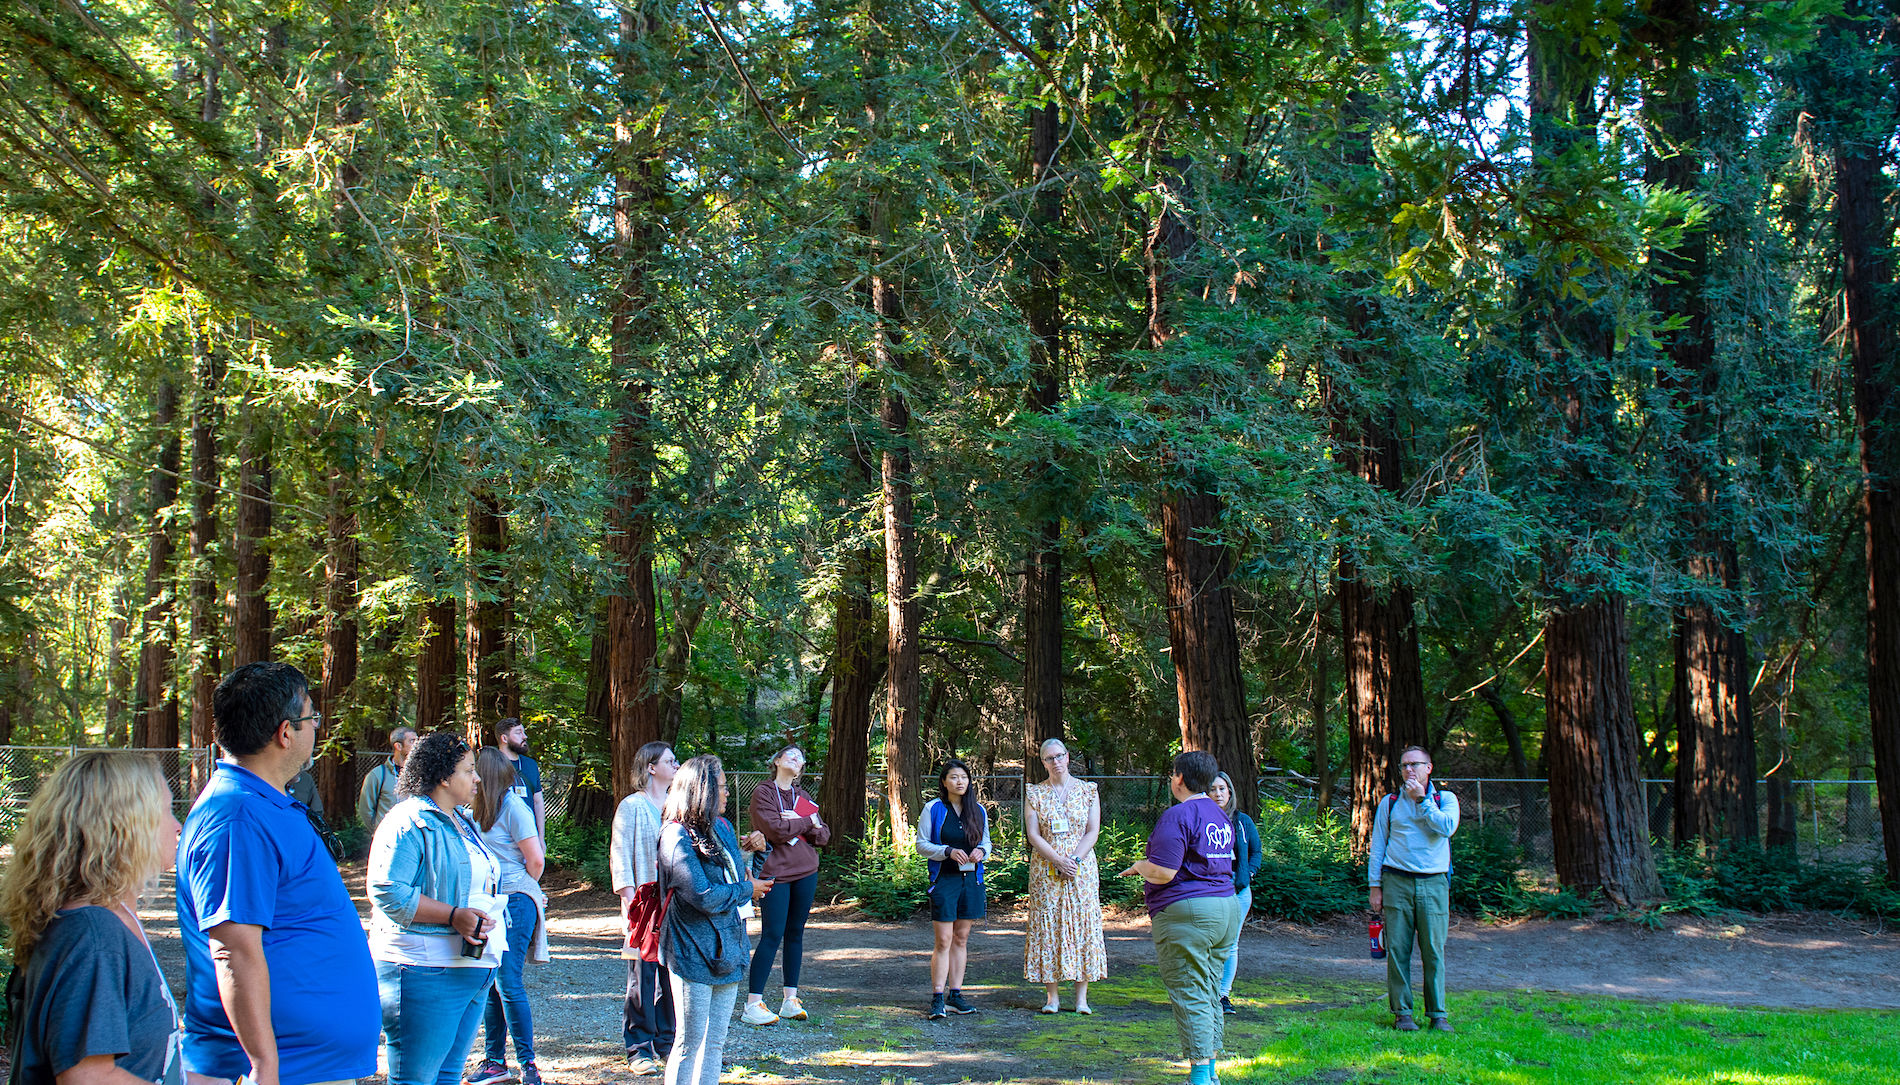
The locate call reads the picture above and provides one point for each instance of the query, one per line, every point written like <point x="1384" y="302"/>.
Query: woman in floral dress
<point x="1064" y="941"/>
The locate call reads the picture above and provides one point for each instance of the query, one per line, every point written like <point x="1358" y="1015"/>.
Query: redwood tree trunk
<point x="204" y="529"/>
<point x="1385" y="691"/>
<point x="1204" y="640"/>
<point x="336" y="774"/>
<point x="633" y="703"/>
<point x="1715" y="731"/>
<point x="435" y="666"/>
<point x="591" y="802"/>
<point x="1861" y="192"/>
<point x="251" y="632"/>
<point x="486" y="615"/>
<point x="903" y="681"/>
<point x="857" y="668"/>
<point x="1599" y="822"/>
<point x="1203" y="637"/>
<point x="1042" y="585"/>
<point x="155" y="704"/>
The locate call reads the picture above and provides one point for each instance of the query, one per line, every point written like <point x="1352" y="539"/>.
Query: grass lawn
<point x="1307" y="1032"/>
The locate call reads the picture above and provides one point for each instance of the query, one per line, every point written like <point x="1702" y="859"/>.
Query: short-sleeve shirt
<point x="513" y="824"/>
<point x="249" y="855"/>
<point x="527" y="779"/>
<point x="89" y="987"/>
<point x="1196" y="840"/>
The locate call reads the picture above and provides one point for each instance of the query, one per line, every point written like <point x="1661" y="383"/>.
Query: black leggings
<point x="782" y="916"/>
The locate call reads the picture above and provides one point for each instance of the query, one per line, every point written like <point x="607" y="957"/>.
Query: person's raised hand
<point x="1414" y="789"/>
<point x="959" y="856"/>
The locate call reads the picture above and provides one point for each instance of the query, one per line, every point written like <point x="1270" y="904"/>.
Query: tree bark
<point x="486" y="614"/>
<point x="155" y="704"/>
<point x="633" y="703"/>
<point x="1861" y="193"/>
<point x="336" y="773"/>
<point x="251" y="628"/>
<point x="591" y="803"/>
<point x="1715" y="743"/>
<point x="435" y="666"/>
<point x="903" y="680"/>
<point x="857" y="668"/>
<point x="1204" y="640"/>
<point x="1042" y="585"/>
<point x="1203" y="637"/>
<point x="1599" y="823"/>
<point x="204" y="529"/>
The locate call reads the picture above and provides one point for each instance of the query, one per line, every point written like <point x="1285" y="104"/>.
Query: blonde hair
<point x="90" y="835"/>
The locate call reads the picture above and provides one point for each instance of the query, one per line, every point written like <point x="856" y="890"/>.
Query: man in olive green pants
<point x="1409" y="870"/>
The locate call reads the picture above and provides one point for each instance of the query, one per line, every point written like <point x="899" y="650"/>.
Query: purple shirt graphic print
<point x="1196" y="839"/>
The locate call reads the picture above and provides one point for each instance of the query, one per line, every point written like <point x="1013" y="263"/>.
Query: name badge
<point x="1058" y="824"/>
<point x="966" y="866"/>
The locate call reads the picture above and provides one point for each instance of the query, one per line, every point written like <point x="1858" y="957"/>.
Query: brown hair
<point x="497" y="774"/>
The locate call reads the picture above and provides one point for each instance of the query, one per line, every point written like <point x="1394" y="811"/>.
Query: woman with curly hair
<point x="435" y="906"/>
<point x="702" y="941"/>
<point x="91" y="1004"/>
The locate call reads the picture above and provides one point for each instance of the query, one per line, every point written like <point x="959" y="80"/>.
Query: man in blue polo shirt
<point x="279" y="980"/>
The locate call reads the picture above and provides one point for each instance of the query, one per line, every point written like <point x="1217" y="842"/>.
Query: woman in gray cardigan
<point x="703" y="941"/>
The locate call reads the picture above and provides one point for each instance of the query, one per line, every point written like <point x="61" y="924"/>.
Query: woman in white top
<point x="434" y="929"/>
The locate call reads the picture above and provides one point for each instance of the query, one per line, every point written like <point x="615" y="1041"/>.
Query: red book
<point x="803" y="807"/>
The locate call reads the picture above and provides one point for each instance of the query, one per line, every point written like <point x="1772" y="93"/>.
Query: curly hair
<point x="431" y="762"/>
<point x="91" y="834"/>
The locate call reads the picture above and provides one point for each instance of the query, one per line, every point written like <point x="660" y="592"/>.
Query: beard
<point x="516" y="747"/>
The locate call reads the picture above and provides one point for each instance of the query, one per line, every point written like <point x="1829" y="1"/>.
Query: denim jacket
<point x="703" y="939"/>
<point x="417" y="852"/>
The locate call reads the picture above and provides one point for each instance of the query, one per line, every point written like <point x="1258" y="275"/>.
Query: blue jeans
<point x="1245" y="897"/>
<point x="429" y="1019"/>
<point x="508" y="998"/>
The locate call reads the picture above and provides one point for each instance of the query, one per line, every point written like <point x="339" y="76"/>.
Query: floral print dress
<point x="1064" y="940"/>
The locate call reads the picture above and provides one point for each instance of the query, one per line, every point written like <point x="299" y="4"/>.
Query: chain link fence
<point x="1833" y="820"/>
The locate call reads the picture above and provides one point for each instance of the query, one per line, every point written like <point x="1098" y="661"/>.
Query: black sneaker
<point x="530" y="1074"/>
<point x="936" y="1007"/>
<point x="1227" y="1005"/>
<point x="958" y="1004"/>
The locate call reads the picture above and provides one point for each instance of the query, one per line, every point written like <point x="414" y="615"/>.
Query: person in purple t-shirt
<point x="1192" y="910"/>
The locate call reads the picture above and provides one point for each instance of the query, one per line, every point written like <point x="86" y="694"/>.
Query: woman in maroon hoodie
<point x="788" y="817"/>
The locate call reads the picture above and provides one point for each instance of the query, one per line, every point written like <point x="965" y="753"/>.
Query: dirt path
<point x="867" y="984"/>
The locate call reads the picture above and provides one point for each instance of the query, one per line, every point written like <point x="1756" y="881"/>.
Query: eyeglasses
<point x="317" y="716"/>
<point x="1415" y="764"/>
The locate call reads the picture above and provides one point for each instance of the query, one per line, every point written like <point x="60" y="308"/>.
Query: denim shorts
<point x="957" y="895"/>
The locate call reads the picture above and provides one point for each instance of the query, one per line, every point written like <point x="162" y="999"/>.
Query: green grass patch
<point x="1296" y="1033"/>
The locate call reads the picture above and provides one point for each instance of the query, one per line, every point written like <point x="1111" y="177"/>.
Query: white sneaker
<point x="756" y="1014"/>
<point x="793" y="1010"/>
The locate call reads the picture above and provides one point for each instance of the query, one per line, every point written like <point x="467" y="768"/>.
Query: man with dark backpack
<point x="1409" y="870"/>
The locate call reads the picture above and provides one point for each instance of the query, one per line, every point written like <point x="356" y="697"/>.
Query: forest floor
<point x="866" y="985"/>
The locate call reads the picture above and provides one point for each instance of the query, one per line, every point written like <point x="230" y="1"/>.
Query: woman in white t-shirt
<point x="436" y="906"/>
<point x="507" y="826"/>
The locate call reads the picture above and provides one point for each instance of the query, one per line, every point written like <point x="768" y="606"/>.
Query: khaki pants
<point x="1416" y="906"/>
<point x="1191" y="938"/>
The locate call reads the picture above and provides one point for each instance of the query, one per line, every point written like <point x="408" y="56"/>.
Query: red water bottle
<point x="1376" y="931"/>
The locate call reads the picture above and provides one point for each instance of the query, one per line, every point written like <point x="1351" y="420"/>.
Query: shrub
<point x="1307" y="871"/>
<point x="1487" y="872"/>
<point x="581" y="850"/>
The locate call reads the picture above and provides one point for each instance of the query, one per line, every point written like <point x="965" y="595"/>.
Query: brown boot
<point x="1440" y="1024"/>
<point x="1404" y="1023"/>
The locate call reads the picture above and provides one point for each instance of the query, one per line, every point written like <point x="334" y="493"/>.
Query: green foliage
<point x="582" y="850"/>
<point x="1307" y="870"/>
<point x="1755" y="879"/>
<point x="1487" y="872"/>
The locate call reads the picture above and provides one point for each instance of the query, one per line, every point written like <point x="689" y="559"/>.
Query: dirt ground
<point x="867" y="985"/>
